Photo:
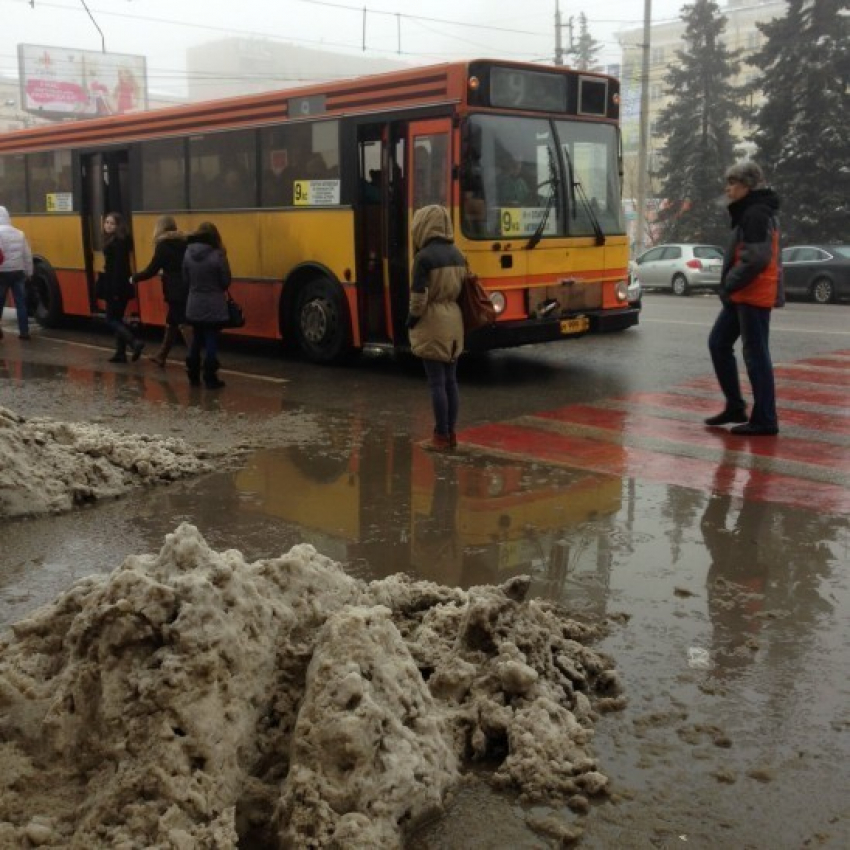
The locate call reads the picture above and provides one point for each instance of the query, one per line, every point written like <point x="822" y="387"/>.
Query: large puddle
<point x="730" y="616"/>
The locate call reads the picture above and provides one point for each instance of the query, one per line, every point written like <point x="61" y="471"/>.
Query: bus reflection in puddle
<point x="384" y="505"/>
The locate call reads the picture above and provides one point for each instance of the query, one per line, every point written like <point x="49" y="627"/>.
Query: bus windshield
<point x="527" y="176"/>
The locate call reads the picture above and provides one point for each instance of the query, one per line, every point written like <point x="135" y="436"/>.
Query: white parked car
<point x="680" y="267"/>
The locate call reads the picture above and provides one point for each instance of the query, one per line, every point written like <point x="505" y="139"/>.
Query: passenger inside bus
<point x="370" y="190"/>
<point x="511" y="187"/>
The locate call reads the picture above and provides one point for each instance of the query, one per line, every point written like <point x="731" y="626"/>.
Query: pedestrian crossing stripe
<point x="661" y="437"/>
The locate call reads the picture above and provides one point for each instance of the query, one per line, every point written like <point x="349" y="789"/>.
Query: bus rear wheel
<point x="44" y="298"/>
<point x="321" y="321"/>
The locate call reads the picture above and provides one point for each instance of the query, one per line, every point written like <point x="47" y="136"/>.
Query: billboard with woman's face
<point x="61" y="82"/>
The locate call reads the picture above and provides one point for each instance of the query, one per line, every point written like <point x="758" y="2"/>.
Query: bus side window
<point x="223" y="170"/>
<point x="429" y="170"/>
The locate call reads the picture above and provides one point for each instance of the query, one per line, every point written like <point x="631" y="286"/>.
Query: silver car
<point x="681" y="268"/>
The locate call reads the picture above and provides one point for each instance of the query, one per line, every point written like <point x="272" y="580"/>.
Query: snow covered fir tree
<point x="696" y="124"/>
<point x="586" y="48"/>
<point x="802" y="130"/>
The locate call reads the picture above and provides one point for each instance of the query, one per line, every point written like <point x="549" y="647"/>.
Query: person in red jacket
<point x="750" y="287"/>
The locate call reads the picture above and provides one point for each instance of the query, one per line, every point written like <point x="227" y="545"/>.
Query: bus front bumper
<point x="533" y="331"/>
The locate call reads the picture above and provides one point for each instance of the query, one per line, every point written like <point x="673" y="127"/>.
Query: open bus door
<point x="381" y="231"/>
<point x="105" y="189"/>
<point x="429" y="167"/>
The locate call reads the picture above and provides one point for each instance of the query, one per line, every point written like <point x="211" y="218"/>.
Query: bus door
<point x="381" y="230"/>
<point x="105" y="189"/>
<point x="429" y="166"/>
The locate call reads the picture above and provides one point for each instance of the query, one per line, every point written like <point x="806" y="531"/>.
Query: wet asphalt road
<point x="584" y="464"/>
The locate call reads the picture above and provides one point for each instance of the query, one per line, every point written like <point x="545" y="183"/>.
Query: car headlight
<point x="499" y="302"/>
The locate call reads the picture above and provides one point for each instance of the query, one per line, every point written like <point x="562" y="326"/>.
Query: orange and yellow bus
<point x="314" y="188"/>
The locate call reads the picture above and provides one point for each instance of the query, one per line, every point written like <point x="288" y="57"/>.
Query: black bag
<point x="235" y="316"/>
<point x="100" y="292"/>
<point x="475" y="305"/>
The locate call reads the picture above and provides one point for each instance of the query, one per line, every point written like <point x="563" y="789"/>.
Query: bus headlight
<point x="621" y="290"/>
<point x="499" y="302"/>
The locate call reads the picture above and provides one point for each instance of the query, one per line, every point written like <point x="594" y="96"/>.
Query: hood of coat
<point x="172" y="235"/>
<point x="4" y="216"/>
<point x="432" y="222"/>
<point x="199" y="251"/>
<point x="755" y="197"/>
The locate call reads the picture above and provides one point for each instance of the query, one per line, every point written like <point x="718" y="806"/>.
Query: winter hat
<point x="746" y="173"/>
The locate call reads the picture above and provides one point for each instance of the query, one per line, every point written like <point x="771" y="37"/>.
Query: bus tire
<point x="322" y="323"/>
<point x="44" y="298"/>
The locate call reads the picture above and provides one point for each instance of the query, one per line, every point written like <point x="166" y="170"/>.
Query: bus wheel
<point x="322" y="324"/>
<point x="44" y="298"/>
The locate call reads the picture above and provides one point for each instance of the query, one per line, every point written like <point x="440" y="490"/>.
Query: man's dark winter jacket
<point x="751" y="267"/>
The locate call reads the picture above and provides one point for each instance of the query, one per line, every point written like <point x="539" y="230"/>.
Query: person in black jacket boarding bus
<point x="207" y="274"/>
<point x="750" y="287"/>
<point x="169" y="250"/>
<point x="116" y="288"/>
<point x="434" y="320"/>
<point x="15" y="268"/>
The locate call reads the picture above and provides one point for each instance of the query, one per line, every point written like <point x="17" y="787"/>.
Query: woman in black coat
<point x="169" y="250"/>
<point x="115" y="286"/>
<point x="207" y="274"/>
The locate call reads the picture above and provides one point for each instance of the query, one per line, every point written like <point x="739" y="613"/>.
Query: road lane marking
<point x="269" y="379"/>
<point x="776" y="326"/>
<point x="634" y="462"/>
<point x="660" y="436"/>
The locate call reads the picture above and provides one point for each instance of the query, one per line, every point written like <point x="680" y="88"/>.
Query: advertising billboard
<point x="61" y="82"/>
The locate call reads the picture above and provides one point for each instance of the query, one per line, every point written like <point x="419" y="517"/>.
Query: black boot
<point x="211" y="379"/>
<point x="120" y="355"/>
<point x="193" y="370"/>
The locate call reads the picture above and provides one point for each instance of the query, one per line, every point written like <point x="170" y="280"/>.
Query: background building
<point x="234" y="66"/>
<point x="665" y="40"/>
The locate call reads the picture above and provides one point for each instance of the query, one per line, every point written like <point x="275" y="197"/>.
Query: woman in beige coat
<point x="434" y="319"/>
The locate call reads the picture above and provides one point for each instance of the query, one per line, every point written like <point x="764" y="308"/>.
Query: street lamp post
<point x="643" y="142"/>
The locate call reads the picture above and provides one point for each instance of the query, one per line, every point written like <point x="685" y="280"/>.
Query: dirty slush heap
<point x="49" y="466"/>
<point x="191" y="700"/>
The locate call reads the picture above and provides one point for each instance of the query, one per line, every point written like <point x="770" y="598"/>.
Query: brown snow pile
<point x="48" y="466"/>
<point x="193" y="700"/>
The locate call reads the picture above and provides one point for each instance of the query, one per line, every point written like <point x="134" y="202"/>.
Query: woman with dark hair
<point x="116" y="288"/>
<point x="207" y="275"/>
<point x="169" y="250"/>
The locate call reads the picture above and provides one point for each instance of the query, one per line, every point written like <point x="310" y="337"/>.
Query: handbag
<point x="476" y="308"/>
<point x="100" y="291"/>
<point x="235" y="314"/>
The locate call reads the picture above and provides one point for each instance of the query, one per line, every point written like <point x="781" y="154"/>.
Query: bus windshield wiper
<point x="552" y="183"/>
<point x="594" y="219"/>
<point x="538" y="233"/>
<point x="576" y="184"/>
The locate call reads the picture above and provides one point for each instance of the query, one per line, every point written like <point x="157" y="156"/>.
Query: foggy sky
<point x="162" y="29"/>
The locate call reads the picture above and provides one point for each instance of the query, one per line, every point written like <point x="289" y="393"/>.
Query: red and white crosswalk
<point x="660" y="436"/>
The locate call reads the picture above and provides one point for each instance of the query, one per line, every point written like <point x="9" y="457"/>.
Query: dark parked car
<point x="820" y="273"/>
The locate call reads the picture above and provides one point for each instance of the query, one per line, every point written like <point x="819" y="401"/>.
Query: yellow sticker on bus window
<point x="525" y="221"/>
<point x="59" y="202"/>
<point x="301" y="193"/>
<point x="511" y="221"/>
<point x="315" y="193"/>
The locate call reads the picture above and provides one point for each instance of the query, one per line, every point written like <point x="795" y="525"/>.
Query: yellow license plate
<point x="574" y="326"/>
